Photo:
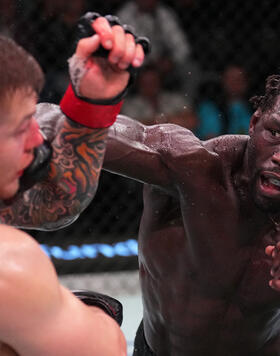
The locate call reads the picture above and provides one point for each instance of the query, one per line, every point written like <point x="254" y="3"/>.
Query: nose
<point x="35" y="138"/>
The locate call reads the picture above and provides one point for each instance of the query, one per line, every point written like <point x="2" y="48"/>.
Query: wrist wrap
<point x="86" y="113"/>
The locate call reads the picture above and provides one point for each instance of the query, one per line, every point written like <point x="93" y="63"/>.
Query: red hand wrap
<point x="88" y="114"/>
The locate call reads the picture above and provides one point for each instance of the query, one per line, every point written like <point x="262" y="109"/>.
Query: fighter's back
<point x="203" y="271"/>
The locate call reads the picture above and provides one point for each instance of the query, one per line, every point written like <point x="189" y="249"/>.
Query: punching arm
<point x="72" y="178"/>
<point x="78" y="129"/>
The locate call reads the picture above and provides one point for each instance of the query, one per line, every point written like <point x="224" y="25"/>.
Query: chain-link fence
<point x="217" y="32"/>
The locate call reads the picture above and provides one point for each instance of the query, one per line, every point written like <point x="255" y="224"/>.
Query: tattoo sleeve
<point x="72" y="181"/>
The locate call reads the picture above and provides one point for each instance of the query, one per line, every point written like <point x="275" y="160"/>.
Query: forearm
<point x="72" y="180"/>
<point x="93" y="100"/>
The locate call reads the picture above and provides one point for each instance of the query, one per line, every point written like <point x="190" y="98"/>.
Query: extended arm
<point x="78" y="144"/>
<point x="135" y="151"/>
<point x="74" y="171"/>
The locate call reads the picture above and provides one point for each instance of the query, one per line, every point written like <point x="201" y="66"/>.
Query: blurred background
<point x="208" y="58"/>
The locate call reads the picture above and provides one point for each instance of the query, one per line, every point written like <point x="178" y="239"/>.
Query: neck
<point x="241" y="176"/>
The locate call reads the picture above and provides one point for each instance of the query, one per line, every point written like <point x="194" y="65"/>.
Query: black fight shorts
<point x="141" y="348"/>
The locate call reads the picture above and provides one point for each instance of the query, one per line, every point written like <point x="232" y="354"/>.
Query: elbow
<point x="67" y="211"/>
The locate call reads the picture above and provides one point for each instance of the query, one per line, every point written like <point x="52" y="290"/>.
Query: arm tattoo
<point x="72" y="181"/>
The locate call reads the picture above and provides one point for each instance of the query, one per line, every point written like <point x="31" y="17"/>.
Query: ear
<point x="254" y="119"/>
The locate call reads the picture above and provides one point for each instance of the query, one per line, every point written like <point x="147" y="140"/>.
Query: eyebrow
<point x="275" y="118"/>
<point x="25" y="118"/>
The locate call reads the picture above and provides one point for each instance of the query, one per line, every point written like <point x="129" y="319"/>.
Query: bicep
<point x="132" y="150"/>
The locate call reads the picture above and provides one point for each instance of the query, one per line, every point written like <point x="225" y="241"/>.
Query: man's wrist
<point x="86" y="113"/>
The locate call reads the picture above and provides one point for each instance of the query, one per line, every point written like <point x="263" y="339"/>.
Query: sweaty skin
<point x="39" y="317"/>
<point x="208" y="217"/>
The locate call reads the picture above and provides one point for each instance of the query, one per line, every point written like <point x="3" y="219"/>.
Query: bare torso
<point x="203" y="270"/>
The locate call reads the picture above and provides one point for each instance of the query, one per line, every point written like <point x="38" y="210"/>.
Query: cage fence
<point x="219" y="32"/>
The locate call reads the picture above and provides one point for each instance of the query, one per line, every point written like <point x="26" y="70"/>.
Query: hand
<point x="274" y="253"/>
<point x="107" y="77"/>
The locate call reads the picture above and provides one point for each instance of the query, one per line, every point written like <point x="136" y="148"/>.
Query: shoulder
<point x="172" y="139"/>
<point x="21" y="256"/>
<point x="11" y="236"/>
<point x="16" y="249"/>
<point x="179" y="147"/>
<point x="177" y="144"/>
<point x="28" y="284"/>
<point x="230" y="148"/>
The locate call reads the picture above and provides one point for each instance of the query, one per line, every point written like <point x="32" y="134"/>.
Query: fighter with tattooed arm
<point x="78" y="143"/>
<point x="46" y="183"/>
<point x="209" y="238"/>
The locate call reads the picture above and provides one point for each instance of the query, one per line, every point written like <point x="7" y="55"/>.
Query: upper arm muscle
<point x="133" y="150"/>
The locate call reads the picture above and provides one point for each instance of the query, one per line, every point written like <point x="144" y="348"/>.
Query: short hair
<point x="18" y="69"/>
<point x="272" y="90"/>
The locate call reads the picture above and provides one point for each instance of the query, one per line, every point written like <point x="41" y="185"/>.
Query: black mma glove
<point x="84" y="29"/>
<point x="38" y="169"/>
<point x="108" y="304"/>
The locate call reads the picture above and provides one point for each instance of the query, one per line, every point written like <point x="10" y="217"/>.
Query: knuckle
<point x="140" y="51"/>
<point x="130" y="37"/>
<point x="82" y="44"/>
<point x="99" y="21"/>
<point x="118" y="30"/>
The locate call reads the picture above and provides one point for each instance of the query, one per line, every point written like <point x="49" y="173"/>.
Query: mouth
<point x="20" y="173"/>
<point x="270" y="184"/>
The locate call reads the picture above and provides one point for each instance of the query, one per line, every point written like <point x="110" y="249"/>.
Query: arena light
<point x="92" y="251"/>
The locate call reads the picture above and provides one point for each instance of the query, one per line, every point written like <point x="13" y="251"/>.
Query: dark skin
<point x="210" y="212"/>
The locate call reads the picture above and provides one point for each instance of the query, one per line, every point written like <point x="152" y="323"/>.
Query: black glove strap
<point x="108" y="304"/>
<point x="84" y="29"/>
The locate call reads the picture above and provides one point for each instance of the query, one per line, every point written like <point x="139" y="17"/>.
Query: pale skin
<point x="71" y="187"/>
<point x="273" y="253"/>
<point x="38" y="316"/>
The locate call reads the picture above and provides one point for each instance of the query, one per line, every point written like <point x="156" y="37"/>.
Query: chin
<point x="264" y="200"/>
<point x="9" y="192"/>
<point x="266" y="204"/>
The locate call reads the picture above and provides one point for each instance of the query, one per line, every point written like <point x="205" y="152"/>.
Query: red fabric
<point x="87" y="114"/>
